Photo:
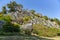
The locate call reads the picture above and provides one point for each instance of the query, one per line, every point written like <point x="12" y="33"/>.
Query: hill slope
<point x="17" y="18"/>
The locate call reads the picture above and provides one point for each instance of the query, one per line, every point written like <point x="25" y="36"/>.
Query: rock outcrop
<point x="35" y="19"/>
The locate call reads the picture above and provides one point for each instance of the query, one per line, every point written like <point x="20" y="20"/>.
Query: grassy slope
<point x="45" y="31"/>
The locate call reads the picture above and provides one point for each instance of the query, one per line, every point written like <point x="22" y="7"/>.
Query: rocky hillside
<point x="14" y="17"/>
<point x="23" y="16"/>
<point x="31" y="17"/>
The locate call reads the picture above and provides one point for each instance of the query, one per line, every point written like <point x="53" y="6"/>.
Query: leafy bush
<point x="26" y="19"/>
<point x="32" y="11"/>
<point x="37" y="15"/>
<point x="51" y="19"/>
<point x="6" y="18"/>
<point x="57" y="21"/>
<point x="8" y="27"/>
<point x="28" y="32"/>
<point x="45" y="17"/>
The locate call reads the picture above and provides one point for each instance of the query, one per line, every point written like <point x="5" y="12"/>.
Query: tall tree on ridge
<point x="12" y="6"/>
<point x="4" y="11"/>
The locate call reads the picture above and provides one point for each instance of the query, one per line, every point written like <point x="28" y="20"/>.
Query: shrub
<point x="51" y="19"/>
<point x="6" y="18"/>
<point x="45" y="17"/>
<point x="26" y="19"/>
<point x="8" y="27"/>
<point x="32" y="11"/>
<point x="28" y="32"/>
<point x="57" y="21"/>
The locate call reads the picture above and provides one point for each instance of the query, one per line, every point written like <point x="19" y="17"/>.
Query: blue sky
<point x="51" y="8"/>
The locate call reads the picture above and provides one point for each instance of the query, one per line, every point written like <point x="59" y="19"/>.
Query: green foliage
<point x="6" y="18"/>
<point x="8" y="27"/>
<point x="57" y="21"/>
<point x="32" y="11"/>
<point x="13" y="5"/>
<point x="28" y="32"/>
<point x="1" y="16"/>
<point x="37" y="15"/>
<point x="51" y="19"/>
<point x="45" y="17"/>
<point x="37" y="28"/>
<point x="45" y="31"/>
<point x="27" y="18"/>
<point x="4" y="11"/>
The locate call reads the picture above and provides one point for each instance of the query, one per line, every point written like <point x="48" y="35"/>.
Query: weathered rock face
<point x="27" y="27"/>
<point x="36" y="20"/>
<point x="44" y="22"/>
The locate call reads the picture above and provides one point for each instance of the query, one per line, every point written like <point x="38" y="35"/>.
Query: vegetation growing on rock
<point x="16" y="17"/>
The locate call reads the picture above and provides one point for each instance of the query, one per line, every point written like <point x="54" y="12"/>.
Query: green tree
<point x="57" y="21"/>
<point x="51" y="19"/>
<point x="4" y="11"/>
<point x="45" y="17"/>
<point x="12" y="6"/>
<point x="32" y="11"/>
